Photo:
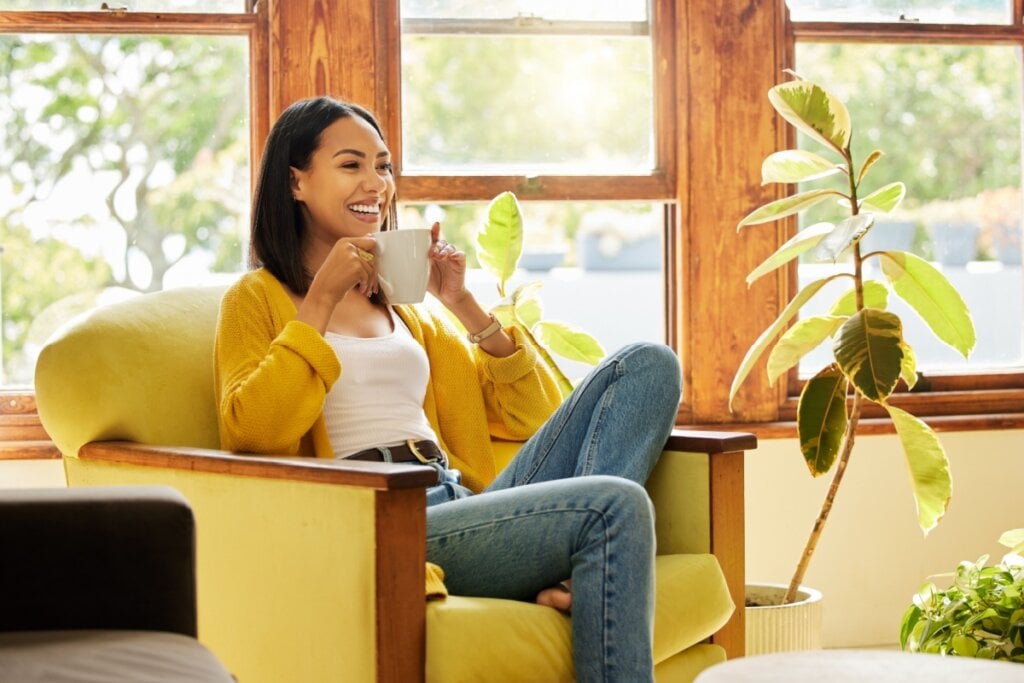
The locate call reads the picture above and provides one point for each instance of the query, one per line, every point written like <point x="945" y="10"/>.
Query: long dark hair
<point x="277" y="229"/>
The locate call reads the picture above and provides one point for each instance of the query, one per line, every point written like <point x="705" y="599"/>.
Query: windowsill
<point x="944" y="423"/>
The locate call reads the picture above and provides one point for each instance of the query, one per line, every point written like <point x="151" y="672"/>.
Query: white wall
<point x="872" y="556"/>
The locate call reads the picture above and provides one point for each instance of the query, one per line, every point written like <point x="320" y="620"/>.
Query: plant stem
<point x="826" y="505"/>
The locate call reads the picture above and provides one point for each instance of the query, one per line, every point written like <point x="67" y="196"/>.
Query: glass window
<point x="948" y="118"/>
<point x="196" y="6"/>
<point x="592" y="259"/>
<point x="592" y="10"/>
<point x="123" y="176"/>
<point x="924" y="11"/>
<point x="561" y="100"/>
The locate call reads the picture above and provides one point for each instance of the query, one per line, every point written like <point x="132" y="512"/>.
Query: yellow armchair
<point x="312" y="570"/>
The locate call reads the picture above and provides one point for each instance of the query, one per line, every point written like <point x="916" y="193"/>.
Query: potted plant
<point x="869" y="352"/>
<point x="980" y="615"/>
<point x="499" y="248"/>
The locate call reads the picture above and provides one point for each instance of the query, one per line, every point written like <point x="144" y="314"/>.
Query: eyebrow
<point x="356" y="152"/>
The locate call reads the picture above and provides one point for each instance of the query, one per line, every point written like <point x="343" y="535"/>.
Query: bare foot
<point x="559" y="597"/>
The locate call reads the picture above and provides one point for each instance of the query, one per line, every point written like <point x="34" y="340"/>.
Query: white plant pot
<point x="782" y="628"/>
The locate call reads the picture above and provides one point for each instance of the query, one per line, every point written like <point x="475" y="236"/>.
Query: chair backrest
<point x="138" y="370"/>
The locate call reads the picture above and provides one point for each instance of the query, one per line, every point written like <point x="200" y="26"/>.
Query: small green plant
<point x="980" y="615"/>
<point x="869" y="352"/>
<point x="499" y="245"/>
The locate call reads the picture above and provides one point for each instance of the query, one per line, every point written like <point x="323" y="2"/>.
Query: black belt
<point x="426" y="452"/>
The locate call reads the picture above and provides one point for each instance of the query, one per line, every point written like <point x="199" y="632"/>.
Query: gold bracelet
<point x="494" y="327"/>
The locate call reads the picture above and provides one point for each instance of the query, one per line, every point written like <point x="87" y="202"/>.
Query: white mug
<point x="403" y="267"/>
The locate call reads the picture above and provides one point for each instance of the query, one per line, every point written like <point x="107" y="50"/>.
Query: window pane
<point x="592" y="10"/>
<point x="124" y="176"/>
<point x="927" y="11"/>
<point x="949" y="120"/>
<point x="527" y="104"/>
<point x="600" y="264"/>
<point x="197" y="6"/>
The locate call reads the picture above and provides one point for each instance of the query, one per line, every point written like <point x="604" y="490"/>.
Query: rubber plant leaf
<point x="761" y="343"/>
<point x="885" y="198"/>
<point x="868" y="163"/>
<point x="876" y="295"/>
<point x="908" y="366"/>
<point x="1014" y="540"/>
<point x="929" y="293"/>
<point x="802" y="241"/>
<point x="821" y="418"/>
<point x="929" y="467"/>
<point x="796" y="166"/>
<point x="869" y="349"/>
<point x="527" y="305"/>
<point x="787" y="206"/>
<point x="499" y="242"/>
<point x="814" y="111"/>
<point x="842" y="238"/>
<point x="799" y="340"/>
<point x="570" y="342"/>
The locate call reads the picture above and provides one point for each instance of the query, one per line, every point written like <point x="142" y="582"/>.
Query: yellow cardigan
<point x="273" y="372"/>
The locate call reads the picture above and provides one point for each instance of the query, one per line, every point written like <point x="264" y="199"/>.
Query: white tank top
<point x="378" y="400"/>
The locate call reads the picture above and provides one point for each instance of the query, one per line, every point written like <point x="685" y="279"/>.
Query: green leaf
<point x="803" y="240"/>
<point x="814" y="111"/>
<point x="868" y="163"/>
<point x="885" y="198"/>
<point x="869" y="349"/>
<point x="929" y="468"/>
<point x="762" y="342"/>
<point x="798" y="341"/>
<point x="570" y="342"/>
<point x="787" y="206"/>
<point x="908" y="366"/>
<point x="910" y="619"/>
<point x="929" y="293"/>
<point x="499" y="241"/>
<point x="842" y="238"/>
<point x="821" y="419"/>
<point x="876" y="295"/>
<point x="1013" y="539"/>
<point x="526" y="304"/>
<point x="796" y="166"/>
<point x="965" y="646"/>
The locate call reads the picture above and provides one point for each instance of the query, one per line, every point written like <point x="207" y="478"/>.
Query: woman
<point x="311" y="360"/>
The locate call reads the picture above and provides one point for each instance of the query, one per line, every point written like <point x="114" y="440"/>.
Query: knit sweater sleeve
<point x="271" y="375"/>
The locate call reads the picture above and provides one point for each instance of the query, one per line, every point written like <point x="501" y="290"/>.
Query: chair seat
<point x="109" y="656"/>
<point x="506" y="640"/>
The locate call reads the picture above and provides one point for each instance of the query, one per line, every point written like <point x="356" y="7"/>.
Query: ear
<point x="296" y="182"/>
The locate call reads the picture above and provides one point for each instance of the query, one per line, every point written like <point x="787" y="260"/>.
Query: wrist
<point x="461" y="304"/>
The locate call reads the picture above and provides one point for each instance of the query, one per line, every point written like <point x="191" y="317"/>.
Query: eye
<point x="350" y="164"/>
<point x="387" y="167"/>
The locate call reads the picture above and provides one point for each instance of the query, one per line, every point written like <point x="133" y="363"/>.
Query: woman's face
<point x="348" y="188"/>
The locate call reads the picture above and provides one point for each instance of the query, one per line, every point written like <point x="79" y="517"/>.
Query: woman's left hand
<point x="447" y="270"/>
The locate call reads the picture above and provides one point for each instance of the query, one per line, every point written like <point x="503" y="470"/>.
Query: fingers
<point x="442" y="250"/>
<point x="435" y="232"/>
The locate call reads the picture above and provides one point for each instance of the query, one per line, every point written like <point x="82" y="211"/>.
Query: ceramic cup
<point x="402" y="264"/>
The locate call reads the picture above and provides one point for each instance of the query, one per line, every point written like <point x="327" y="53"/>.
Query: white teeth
<point x="365" y="208"/>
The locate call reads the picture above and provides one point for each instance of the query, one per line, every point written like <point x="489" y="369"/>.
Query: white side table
<point x="861" y="666"/>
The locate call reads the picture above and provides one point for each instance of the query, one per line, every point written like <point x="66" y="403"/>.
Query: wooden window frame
<point x="993" y="396"/>
<point x="20" y="430"/>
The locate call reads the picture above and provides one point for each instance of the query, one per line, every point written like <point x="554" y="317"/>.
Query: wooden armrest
<point x="376" y="475"/>
<point x="725" y="462"/>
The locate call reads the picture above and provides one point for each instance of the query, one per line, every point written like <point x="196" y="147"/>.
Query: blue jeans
<point x="571" y="504"/>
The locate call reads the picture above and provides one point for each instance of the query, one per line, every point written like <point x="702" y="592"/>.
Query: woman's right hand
<point x="351" y="264"/>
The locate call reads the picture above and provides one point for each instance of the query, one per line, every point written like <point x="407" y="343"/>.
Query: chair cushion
<point x="477" y="639"/>
<point x="107" y="657"/>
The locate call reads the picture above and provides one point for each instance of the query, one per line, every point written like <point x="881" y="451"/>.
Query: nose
<point x="372" y="180"/>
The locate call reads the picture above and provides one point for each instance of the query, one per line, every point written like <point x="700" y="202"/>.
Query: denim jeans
<point x="571" y="504"/>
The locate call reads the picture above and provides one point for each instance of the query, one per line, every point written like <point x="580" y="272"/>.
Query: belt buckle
<point x="414" y="449"/>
